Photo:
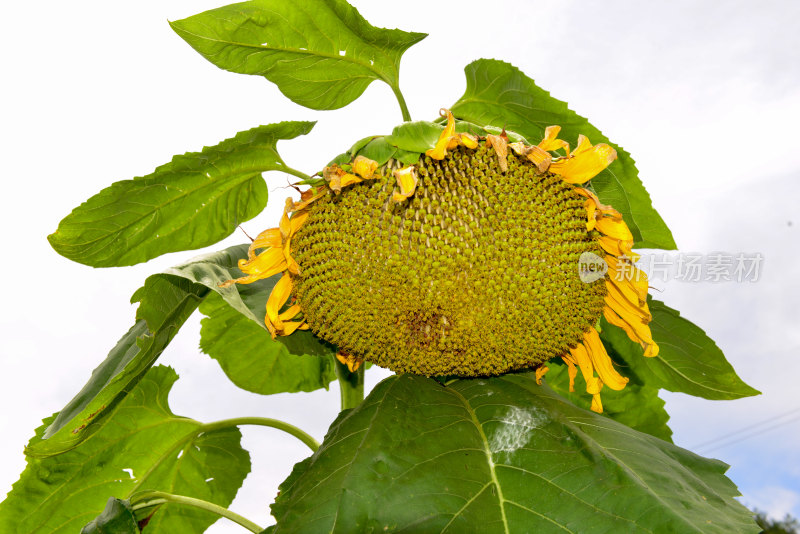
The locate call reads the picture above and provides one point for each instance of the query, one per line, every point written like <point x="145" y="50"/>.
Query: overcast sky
<point x="705" y="95"/>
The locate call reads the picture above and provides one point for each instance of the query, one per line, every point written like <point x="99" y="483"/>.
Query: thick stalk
<point x="155" y="498"/>
<point x="295" y="172"/>
<point x="402" y="101"/>
<point x="351" y="385"/>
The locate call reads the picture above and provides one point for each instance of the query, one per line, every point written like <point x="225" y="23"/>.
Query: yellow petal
<point x="572" y="371"/>
<point x="602" y="362"/>
<point x="364" y="167"/>
<point x="625" y="307"/>
<point x="540" y="372"/>
<point x="551" y="141"/>
<point x="591" y="209"/>
<point x="617" y="247"/>
<point x="615" y="228"/>
<point x="440" y="149"/>
<point x="352" y="362"/>
<point x="407" y="181"/>
<point x="270" y="261"/>
<point x="278" y="297"/>
<point x="623" y="271"/>
<point x="500" y="145"/>
<point x="597" y="404"/>
<point x="580" y="168"/>
<point x="307" y="197"/>
<point x="636" y="331"/>
<point x="266" y="239"/>
<point x="338" y="178"/>
<point x="534" y="154"/>
<point x="468" y="140"/>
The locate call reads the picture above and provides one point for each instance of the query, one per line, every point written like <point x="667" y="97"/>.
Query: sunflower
<point x="466" y="262"/>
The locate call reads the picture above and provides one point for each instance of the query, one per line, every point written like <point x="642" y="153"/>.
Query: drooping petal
<point x="636" y="331"/>
<point x="337" y="178"/>
<point x="602" y="362"/>
<point x="582" y="167"/>
<point x="407" y="181"/>
<point x="468" y="140"/>
<point x="551" y="142"/>
<point x="440" y="148"/>
<point x="364" y="167"/>
<point x="280" y="294"/>
<point x="500" y="145"/>
<point x="572" y="371"/>
<point x="352" y="362"/>
<point x="266" y="239"/>
<point x="540" y="372"/>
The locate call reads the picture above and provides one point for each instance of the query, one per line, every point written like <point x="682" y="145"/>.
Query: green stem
<point x="295" y="172"/>
<point x="402" y="101"/>
<point x="351" y="384"/>
<point x="148" y="499"/>
<point x="263" y="421"/>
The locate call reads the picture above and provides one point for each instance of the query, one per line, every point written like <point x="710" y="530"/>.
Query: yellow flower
<point x="465" y="263"/>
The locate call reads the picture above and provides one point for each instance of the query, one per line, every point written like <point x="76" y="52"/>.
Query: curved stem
<point x="155" y="498"/>
<point x="264" y="421"/>
<point x="351" y="385"/>
<point x="295" y="172"/>
<point x="402" y="101"/>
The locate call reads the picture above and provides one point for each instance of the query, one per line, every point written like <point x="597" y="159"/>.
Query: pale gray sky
<point x="705" y="95"/>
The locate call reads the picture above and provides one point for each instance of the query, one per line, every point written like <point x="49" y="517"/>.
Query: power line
<point x="719" y="445"/>
<point x="745" y="429"/>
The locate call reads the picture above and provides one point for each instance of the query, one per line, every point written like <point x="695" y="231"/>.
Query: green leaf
<point x="117" y="518"/>
<point x="417" y="136"/>
<point x="688" y="360"/>
<point x="499" y="455"/>
<point x="321" y="54"/>
<point x="165" y="304"/>
<point x="140" y="446"/>
<point x="194" y="201"/>
<point x="252" y="359"/>
<point x="501" y="95"/>
<point x="637" y="406"/>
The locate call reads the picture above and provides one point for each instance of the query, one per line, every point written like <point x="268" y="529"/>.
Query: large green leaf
<point x="636" y="406"/>
<point x="140" y="446"/>
<point x="250" y="357"/>
<point x="501" y="95"/>
<point x="499" y="455"/>
<point x="688" y="360"/>
<point x="321" y="54"/>
<point x="166" y="301"/>
<point x="194" y="201"/>
<point x="165" y="304"/>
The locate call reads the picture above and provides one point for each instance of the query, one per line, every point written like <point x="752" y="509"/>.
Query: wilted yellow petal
<point x="572" y="371"/>
<point x="614" y="228"/>
<point x="468" y="140"/>
<point x="407" y="180"/>
<point x="280" y="294"/>
<point x="500" y="145"/>
<point x="597" y="404"/>
<point x="602" y="362"/>
<point x="636" y="330"/>
<point x="580" y="168"/>
<point x="551" y="141"/>
<point x="338" y="178"/>
<point x="540" y="372"/>
<point x="440" y="149"/>
<point x="352" y="362"/>
<point x="364" y="167"/>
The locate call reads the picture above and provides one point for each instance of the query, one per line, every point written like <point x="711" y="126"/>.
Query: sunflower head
<point x="461" y="261"/>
